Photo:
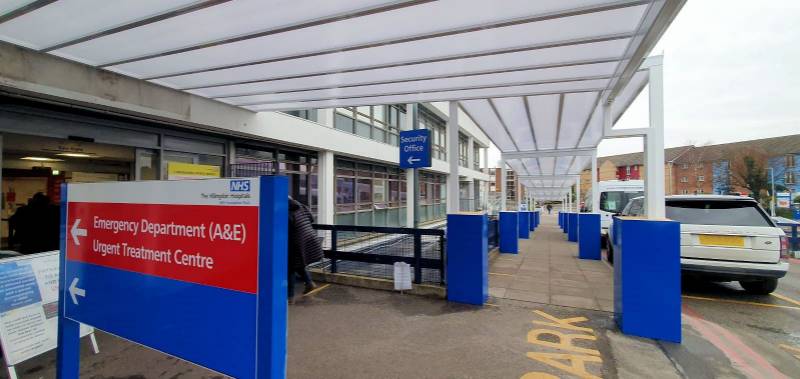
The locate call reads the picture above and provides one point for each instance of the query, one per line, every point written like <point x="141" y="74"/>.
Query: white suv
<point x="725" y="238"/>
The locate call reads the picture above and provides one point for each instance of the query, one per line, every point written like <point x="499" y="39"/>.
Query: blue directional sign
<point x="415" y="148"/>
<point x="195" y="269"/>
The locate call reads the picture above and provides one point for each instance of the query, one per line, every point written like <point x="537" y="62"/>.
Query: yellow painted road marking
<point x="739" y="302"/>
<point x="569" y="357"/>
<point x="497" y="273"/>
<point x="792" y="349"/>
<point x="786" y="298"/>
<point x="320" y="288"/>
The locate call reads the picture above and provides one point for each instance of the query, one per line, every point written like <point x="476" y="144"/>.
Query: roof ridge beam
<point x="419" y="99"/>
<point x="277" y="30"/>
<point x="585" y="151"/>
<point x="25" y="9"/>
<point x="414" y="79"/>
<point x="404" y="39"/>
<point x="538" y="46"/>
<point x="464" y="88"/>
<point x="135" y="24"/>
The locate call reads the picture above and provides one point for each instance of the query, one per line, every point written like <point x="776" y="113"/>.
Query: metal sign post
<point x="193" y="268"/>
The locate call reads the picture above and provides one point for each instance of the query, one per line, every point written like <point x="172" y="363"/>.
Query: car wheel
<point x="760" y="287"/>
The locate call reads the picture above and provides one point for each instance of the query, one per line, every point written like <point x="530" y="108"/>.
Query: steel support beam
<point x="549" y="153"/>
<point x="453" y="194"/>
<point x="595" y="186"/>
<point x="654" y="147"/>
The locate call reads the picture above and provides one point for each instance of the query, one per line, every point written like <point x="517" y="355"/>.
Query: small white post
<point x="578" y="196"/>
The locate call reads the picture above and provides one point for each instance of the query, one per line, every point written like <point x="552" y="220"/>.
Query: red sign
<point x="203" y="244"/>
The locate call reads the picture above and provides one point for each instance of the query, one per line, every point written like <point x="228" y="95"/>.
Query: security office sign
<point x="192" y="268"/>
<point x="415" y="148"/>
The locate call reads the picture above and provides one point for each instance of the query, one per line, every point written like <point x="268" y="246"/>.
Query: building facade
<point x="61" y="121"/>
<point x="708" y="169"/>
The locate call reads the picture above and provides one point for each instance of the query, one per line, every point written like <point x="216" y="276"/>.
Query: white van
<point x="614" y="195"/>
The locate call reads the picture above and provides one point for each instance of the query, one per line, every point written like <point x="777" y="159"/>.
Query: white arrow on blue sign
<point x="415" y="148"/>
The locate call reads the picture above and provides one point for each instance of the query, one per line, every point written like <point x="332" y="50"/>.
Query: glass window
<point x="379" y="191"/>
<point x="437" y="126"/>
<point x="363" y="129"/>
<point x="717" y="212"/>
<point x="615" y="201"/>
<point x="343" y="122"/>
<point x="345" y="192"/>
<point x="308" y="114"/>
<point x="790" y="160"/>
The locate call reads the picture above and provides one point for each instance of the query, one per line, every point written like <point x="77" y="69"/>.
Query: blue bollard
<point x="565" y="223"/>
<point x="509" y="232"/>
<point x="589" y="236"/>
<point x="467" y="268"/>
<point x="572" y="229"/>
<point x="532" y="220"/>
<point x="647" y="278"/>
<point x="524" y="225"/>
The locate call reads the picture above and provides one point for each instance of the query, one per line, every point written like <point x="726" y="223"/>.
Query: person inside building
<point x="304" y="246"/>
<point x="549" y="208"/>
<point x="34" y="227"/>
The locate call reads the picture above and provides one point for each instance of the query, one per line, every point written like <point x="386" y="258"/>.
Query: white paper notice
<point x="402" y="276"/>
<point x="29" y="306"/>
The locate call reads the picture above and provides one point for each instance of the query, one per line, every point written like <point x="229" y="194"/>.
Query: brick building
<point x="706" y="169"/>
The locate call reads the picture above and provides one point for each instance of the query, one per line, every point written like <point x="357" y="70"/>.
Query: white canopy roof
<point x="532" y="74"/>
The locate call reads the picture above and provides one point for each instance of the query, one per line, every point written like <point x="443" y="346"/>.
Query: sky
<point x="731" y="73"/>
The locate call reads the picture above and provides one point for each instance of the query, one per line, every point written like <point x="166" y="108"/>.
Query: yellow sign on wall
<point x="179" y="170"/>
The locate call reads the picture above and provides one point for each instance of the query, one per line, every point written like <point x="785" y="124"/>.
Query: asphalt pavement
<point x="728" y="333"/>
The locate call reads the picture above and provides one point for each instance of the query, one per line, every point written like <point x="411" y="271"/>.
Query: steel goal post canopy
<point x="192" y="268"/>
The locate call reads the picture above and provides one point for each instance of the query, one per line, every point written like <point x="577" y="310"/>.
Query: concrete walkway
<point x="547" y="270"/>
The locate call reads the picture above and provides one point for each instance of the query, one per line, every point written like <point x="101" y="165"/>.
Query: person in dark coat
<point x="304" y="246"/>
<point x="35" y="227"/>
<point x="549" y="208"/>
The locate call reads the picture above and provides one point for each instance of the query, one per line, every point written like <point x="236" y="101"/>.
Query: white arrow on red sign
<point x="77" y="232"/>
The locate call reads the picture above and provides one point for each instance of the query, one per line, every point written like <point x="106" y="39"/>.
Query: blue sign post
<point x="415" y="148"/>
<point x="195" y="269"/>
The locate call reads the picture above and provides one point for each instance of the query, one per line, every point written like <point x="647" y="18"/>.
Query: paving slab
<point x="548" y="265"/>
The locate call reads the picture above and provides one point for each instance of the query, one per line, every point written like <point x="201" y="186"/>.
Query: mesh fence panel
<point x="373" y="253"/>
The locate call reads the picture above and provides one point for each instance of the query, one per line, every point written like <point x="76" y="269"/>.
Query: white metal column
<point x="327" y="188"/>
<point x="569" y="200"/>
<point x="503" y="178"/>
<point x="654" y="146"/>
<point x="411" y="190"/>
<point x="578" y="195"/>
<point x="595" y="185"/>
<point x="453" y="195"/>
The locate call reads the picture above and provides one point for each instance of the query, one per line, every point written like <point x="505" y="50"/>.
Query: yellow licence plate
<point x="727" y="241"/>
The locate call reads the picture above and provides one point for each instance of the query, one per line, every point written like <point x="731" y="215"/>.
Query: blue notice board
<point x="415" y="148"/>
<point x="192" y="268"/>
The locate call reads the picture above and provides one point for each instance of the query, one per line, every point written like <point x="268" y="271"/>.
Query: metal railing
<point x="245" y="170"/>
<point x="373" y="250"/>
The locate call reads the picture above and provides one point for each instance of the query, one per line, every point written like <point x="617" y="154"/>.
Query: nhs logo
<point x="240" y="185"/>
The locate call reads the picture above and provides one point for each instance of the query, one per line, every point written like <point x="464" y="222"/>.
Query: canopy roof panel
<point x="532" y="74"/>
